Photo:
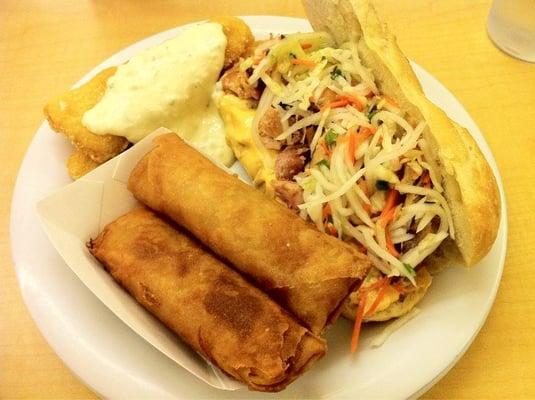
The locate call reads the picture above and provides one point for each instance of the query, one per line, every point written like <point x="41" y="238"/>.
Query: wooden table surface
<point x="46" y="46"/>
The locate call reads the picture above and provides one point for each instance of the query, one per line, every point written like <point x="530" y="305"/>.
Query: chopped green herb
<point x="292" y="55"/>
<point x="324" y="163"/>
<point x="382" y="185"/>
<point x="336" y="72"/>
<point x="330" y="137"/>
<point x="308" y="183"/>
<point x="372" y="112"/>
<point x="409" y="269"/>
<point x="323" y="58"/>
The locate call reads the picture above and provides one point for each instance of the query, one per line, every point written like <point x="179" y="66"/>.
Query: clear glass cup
<point x="511" y="26"/>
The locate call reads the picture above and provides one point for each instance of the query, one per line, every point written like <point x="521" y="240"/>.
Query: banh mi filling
<point x="349" y="159"/>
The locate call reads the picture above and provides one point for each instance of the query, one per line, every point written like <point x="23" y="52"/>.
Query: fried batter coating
<point x="64" y="114"/>
<point x="239" y="38"/>
<point x="79" y="164"/>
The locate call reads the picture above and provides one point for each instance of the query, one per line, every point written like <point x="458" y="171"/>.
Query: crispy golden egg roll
<point x="308" y="272"/>
<point x="210" y="306"/>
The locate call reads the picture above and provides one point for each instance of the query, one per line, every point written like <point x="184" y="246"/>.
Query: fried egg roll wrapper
<point x="210" y="306"/>
<point x="308" y="272"/>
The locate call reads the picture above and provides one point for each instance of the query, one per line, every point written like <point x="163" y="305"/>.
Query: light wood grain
<point x="46" y="46"/>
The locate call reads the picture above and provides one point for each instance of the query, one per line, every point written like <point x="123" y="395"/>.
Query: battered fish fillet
<point x="79" y="164"/>
<point x="239" y="38"/>
<point x="64" y="114"/>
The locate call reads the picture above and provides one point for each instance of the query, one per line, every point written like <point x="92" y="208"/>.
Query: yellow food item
<point x="208" y="304"/>
<point x="196" y="117"/>
<point x="79" y="164"/>
<point x="239" y="38"/>
<point x="238" y="118"/>
<point x="64" y="114"/>
<point x="308" y="272"/>
<point x="168" y="85"/>
<point x="383" y="166"/>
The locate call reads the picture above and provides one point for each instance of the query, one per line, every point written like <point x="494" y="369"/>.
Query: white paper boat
<point x="78" y="212"/>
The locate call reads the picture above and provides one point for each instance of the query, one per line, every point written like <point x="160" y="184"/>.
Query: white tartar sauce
<point x="169" y="85"/>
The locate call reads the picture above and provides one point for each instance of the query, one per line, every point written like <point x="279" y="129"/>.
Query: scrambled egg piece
<point x="238" y="118"/>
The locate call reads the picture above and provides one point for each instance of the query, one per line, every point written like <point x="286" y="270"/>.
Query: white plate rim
<point x="255" y="21"/>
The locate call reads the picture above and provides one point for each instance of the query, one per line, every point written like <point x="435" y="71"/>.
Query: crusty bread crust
<point x="470" y="186"/>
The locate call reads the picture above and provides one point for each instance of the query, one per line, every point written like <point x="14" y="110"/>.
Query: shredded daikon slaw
<point x="369" y="176"/>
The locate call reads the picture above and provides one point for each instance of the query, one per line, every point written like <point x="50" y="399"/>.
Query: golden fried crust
<point x="305" y="270"/>
<point x="64" y="114"/>
<point x="470" y="186"/>
<point x="79" y="164"/>
<point x="239" y="38"/>
<point x="210" y="306"/>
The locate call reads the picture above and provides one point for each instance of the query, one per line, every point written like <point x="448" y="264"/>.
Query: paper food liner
<point x="78" y="212"/>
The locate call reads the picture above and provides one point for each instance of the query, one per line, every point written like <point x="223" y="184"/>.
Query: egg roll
<point x="306" y="271"/>
<point x="210" y="306"/>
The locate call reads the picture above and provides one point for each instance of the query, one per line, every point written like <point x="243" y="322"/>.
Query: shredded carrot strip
<point x="358" y="323"/>
<point x="382" y="284"/>
<point x="305" y="46"/>
<point x="355" y="140"/>
<point x="327" y="211"/>
<point x="342" y="139"/>
<point x="363" y="134"/>
<point x="325" y="148"/>
<point x="391" y="101"/>
<point x="368" y="131"/>
<point x="364" y="187"/>
<point x="385" y="219"/>
<point x="306" y="63"/>
<point x="373" y="286"/>
<point x="331" y="229"/>
<point x="351" y="100"/>
<point x="380" y="296"/>
<point x="398" y="286"/>
<point x="390" y="246"/>
<point x="335" y="104"/>
<point x="391" y="201"/>
<point x="386" y="216"/>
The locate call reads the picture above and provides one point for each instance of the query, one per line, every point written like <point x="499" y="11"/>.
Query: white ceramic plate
<point x="116" y="363"/>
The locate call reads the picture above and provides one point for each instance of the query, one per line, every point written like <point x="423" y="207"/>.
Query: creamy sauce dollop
<point x="169" y="85"/>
